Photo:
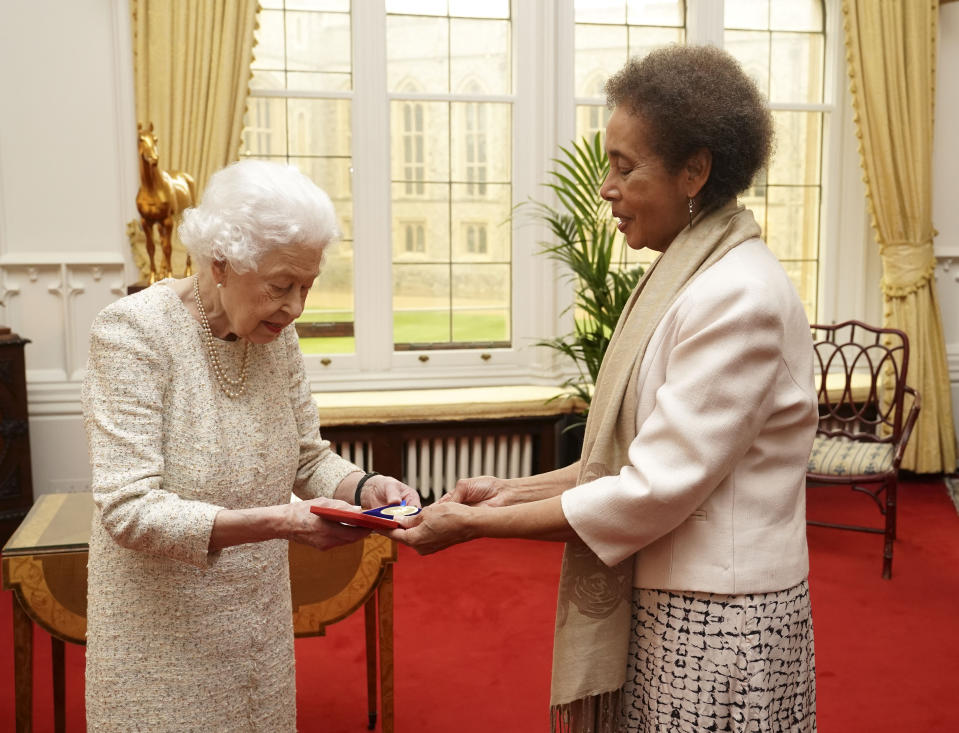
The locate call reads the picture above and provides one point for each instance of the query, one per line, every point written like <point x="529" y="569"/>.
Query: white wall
<point x="68" y="181"/>
<point x="67" y="188"/>
<point x="945" y="205"/>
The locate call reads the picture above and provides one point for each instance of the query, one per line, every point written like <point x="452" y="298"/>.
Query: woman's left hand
<point x="383" y="490"/>
<point x="436" y="527"/>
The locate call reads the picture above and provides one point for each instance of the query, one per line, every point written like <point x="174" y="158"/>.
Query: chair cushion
<point x="845" y="457"/>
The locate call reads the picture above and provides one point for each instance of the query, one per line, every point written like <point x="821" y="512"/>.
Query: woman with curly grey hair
<point x="200" y="424"/>
<point x="683" y="602"/>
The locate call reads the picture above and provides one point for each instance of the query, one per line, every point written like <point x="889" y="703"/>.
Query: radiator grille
<point x="433" y="465"/>
<point x="358" y="452"/>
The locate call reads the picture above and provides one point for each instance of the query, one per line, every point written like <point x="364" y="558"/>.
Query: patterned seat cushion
<point x="845" y="457"/>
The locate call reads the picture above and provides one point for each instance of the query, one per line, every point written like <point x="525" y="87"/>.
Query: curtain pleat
<point x="891" y="57"/>
<point x="192" y="61"/>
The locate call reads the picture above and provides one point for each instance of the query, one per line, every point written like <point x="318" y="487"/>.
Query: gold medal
<point x="399" y="510"/>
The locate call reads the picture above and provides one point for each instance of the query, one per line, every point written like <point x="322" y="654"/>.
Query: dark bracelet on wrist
<point x="359" y="486"/>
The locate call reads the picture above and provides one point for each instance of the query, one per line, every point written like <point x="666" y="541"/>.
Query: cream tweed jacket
<point x="179" y="639"/>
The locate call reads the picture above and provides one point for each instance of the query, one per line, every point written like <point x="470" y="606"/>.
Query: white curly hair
<point x="253" y="206"/>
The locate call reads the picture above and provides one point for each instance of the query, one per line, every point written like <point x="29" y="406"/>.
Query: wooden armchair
<point x="863" y="423"/>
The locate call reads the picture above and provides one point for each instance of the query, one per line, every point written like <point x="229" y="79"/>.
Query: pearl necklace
<point x="231" y="387"/>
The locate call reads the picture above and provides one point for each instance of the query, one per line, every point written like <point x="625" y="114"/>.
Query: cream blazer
<point x="713" y="497"/>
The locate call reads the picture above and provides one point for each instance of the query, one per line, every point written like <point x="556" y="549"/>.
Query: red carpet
<point x="474" y="633"/>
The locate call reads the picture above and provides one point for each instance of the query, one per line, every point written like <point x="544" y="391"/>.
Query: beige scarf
<point x="595" y="602"/>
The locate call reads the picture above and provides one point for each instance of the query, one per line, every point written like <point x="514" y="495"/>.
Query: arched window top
<point x="593" y="85"/>
<point x="409" y="85"/>
<point x="472" y="85"/>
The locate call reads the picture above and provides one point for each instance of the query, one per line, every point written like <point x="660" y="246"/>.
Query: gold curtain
<point x="891" y="55"/>
<point x="192" y="62"/>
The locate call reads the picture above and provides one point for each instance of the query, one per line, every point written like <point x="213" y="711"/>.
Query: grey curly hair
<point x="694" y="97"/>
<point x="253" y="206"/>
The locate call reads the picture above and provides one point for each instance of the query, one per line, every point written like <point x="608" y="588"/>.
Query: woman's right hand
<point x="310" y="529"/>
<point x="480" y="491"/>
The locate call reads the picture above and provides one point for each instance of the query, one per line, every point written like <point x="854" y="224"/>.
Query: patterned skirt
<point x="707" y="662"/>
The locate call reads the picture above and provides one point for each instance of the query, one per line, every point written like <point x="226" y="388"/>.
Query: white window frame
<point x="543" y="113"/>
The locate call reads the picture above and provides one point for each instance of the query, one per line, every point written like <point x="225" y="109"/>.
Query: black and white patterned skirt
<point x="707" y="662"/>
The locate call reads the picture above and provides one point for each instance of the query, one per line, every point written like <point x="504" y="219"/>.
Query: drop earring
<point x="690" y="213"/>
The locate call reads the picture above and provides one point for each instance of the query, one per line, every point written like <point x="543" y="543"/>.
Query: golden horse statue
<point x="162" y="196"/>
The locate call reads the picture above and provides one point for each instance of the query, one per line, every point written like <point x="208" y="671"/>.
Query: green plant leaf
<point x="583" y="241"/>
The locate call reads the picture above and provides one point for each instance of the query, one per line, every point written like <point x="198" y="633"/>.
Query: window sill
<point x="470" y="403"/>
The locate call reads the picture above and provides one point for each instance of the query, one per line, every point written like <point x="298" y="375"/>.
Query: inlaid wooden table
<point x="45" y="565"/>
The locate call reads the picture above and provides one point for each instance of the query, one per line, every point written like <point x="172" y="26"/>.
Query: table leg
<point x="369" y="611"/>
<point x="384" y="597"/>
<point x="22" y="666"/>
<point x="59" y="685"/>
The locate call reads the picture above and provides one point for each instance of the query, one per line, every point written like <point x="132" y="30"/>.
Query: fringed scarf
<point x="594" y="607"/>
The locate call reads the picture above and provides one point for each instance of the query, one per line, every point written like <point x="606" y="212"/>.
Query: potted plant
<point x="584" y="236"/>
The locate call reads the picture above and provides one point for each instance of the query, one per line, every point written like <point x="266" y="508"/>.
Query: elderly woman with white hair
<point x="200" y="424"/>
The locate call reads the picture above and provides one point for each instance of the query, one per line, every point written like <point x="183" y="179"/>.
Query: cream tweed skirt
<point x="706" y="662"/>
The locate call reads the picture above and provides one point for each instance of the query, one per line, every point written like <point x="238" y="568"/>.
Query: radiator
<point x="433" y="465"/>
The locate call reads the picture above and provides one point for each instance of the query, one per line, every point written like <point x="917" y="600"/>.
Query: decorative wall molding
<point x="64" y="257"/>
<point x="51" y="301"/>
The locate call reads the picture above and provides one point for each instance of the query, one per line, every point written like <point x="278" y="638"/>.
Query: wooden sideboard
<point x="16" y="487"/>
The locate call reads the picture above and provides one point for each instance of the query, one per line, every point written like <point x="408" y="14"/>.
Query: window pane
<point x="607" y="41"/>
<point x="319" y="126"/>
<point x="591" y="119"/>
<point x="419" y="143"/>
<point x="656" y="12"/>
<point x="421" y="304"/>
<point x="318" y="42"/>
<point x="263" y="79"/>
<point x="480" y="56"/>
<point x="417" y="7"/>
<point x="796" y="67"/>
<point x="270" y="49"/>
<point x="746" y="14"/>
<point x="792" y="220"/>
<point x="342" y="6"/>
<point x="643" y="39"/>
<point x="264" y="127"/>
<point x="331" y="301"/>
<point x="417" y="53"/>
<point x="333" y="176"/>
<point x="805" y="277"/>
<point x="479" y="8"/>
<point x="487" y="218"/>
<point x="307" y="47"/>
<point x="796" y="15"/>
<point x="308" y="81"/>
<point x="481" y="149"/>
<point x="600" y="52"/>
<point x="798" y="154"/>
<point x="432" y="209"/>
<point x="287" y="55"/>
<point x="785" y="56"/>
<point x="481" y="298"/>
<point x="451" y="163"/>
<point x="601" y="11"/>
<point x="751" y="49"/>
